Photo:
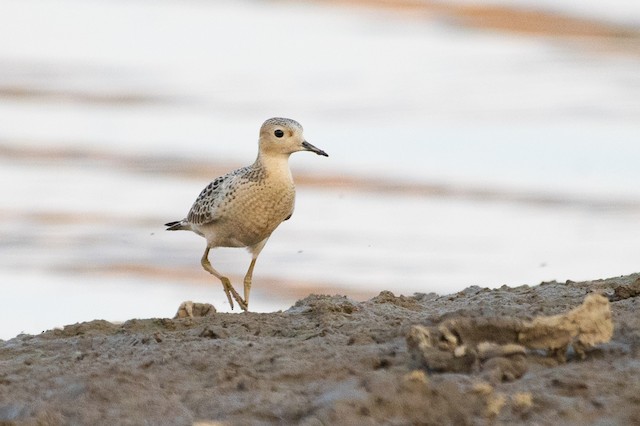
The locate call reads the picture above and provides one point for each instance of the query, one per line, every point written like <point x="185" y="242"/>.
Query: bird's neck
<point x="276" y="166"/>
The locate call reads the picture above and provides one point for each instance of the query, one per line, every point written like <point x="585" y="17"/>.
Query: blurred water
<point x="619" y="11"/>
<point x="479" y="158"/>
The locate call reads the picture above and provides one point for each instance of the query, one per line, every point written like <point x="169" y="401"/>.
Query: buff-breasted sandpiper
<point x="243" y="207"/>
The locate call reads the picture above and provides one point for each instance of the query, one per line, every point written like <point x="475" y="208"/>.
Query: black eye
<point x="279" y="133"/>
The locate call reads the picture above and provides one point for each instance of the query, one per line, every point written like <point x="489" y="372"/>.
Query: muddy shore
<point x="326" y="360"/>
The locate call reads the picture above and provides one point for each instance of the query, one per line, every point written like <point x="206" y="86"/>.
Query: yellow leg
<point x="247" y="281"/>
<point x="226" y="283"/>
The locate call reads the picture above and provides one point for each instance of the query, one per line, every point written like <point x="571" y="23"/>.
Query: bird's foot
<point x="244" y="305"/>
<point x="230" y="291"/>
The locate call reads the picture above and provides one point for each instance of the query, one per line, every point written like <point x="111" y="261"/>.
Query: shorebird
<point x="243" y="207"/>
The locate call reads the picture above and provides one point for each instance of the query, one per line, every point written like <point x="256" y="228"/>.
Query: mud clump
<point x="401" y="301"/>
<point x="499" y="345"/>
<point x="626" y="291"/>
<point x="190" y="309"/>
<point x="334" y="360"/>
<point x="323" y="304"/>
<point x="581" y="328"/>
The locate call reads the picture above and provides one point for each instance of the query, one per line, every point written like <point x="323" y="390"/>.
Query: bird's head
<point x="283" y="136"/>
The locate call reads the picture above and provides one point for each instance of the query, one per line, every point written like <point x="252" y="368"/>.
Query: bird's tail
<point x="179" y="225"/>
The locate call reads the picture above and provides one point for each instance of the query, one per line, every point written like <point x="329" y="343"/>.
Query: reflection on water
<point x="457" y="158"/>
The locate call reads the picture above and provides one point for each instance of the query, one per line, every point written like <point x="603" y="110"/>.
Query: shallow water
<point x="457" y="157"/>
